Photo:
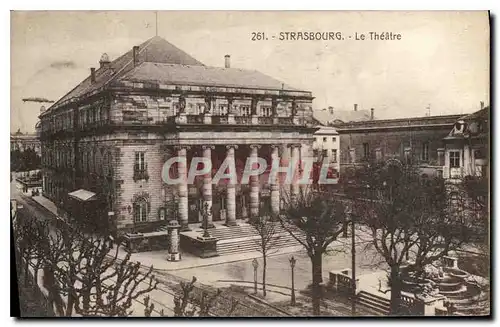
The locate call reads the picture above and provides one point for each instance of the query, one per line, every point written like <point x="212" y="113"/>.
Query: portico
<point x="233" y="199"/>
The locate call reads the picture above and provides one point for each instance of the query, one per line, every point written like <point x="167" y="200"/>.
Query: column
<point x="295" y="161"/>
<point x="207" y="185"/>
<point x="275" y="192"/>
<point x="183" y="189"/>
<point x="173" y="237"/>
<point x="254" y="183"/>
<point x="231" y="189"/>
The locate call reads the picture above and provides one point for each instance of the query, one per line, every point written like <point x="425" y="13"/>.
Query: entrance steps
<point x="375" y="304"/>
<point x="244" y="238"/>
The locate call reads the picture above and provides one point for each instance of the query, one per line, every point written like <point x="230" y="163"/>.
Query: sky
<point x="441" y="61"/>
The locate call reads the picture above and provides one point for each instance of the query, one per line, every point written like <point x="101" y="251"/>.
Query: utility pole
<point x="353" y="265"/>
<point x="156" y="25"/>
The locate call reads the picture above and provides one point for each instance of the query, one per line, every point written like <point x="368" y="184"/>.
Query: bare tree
<point x="408" y="216"/>
<point x="88" y="272"/>
<point x="30" y="235"/>
<point x="188" y="304"/>
<point x="266" y="227"/>
<point x="315" y="219"/>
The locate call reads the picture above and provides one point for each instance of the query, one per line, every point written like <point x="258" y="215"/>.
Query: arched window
<point x="141" y="210"/>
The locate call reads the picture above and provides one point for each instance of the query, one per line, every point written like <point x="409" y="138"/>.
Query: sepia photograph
<point x="256" y="164"/>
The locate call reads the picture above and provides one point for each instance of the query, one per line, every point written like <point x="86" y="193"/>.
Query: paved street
<point x="278" y="268"/>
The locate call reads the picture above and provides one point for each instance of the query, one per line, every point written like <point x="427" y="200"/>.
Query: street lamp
<point x="292" y="265"/>
<point x="255" y="265"/>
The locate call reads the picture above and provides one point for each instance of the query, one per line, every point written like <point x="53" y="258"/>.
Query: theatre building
<point x="104" y="143"/>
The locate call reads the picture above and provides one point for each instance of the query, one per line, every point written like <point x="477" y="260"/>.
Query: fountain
<point x="445" y="278"/>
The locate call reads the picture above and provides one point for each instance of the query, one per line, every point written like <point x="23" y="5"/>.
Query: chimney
<point x="227" y="61"/>
<point x="482" y="104"/>
<point x="42" y="109"/>
<point x="135" y="51"/>
<point x="330" y="109"/>
<point x="104" y="62"/>
<point x="372" y="114"/>
<point x="355" y="107"/>
<point x="92" y="75"/>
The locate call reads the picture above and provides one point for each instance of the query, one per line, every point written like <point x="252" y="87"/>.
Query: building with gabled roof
<point x="112" y="133"/>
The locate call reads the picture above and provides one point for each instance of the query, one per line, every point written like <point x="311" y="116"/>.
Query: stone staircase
<point x="244" y="238"/>
<point x="373" y="303"/>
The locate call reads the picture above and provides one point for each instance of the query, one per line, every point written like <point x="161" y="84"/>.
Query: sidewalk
<point x="158" y="260"/>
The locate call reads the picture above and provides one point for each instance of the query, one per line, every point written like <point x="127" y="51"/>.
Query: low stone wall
<point x="203" y="248"/>
<point x="146" y="242"/>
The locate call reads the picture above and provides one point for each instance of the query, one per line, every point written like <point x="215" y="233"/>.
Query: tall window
<point x="334" y="139"/>
<point x="222" y="109"/>
<point x="139" y="164"/>
<point x="265" y="111"/>
<point x="334" y="155"/>
<point x="366" y="150"/>
<point x="425" y="151"/>
<point x="245" y="110"/>
<point x="141" y="211"/>
<point x="352" y="155"/>
<point x="324" y="153"/>
<point x="454" y="159"/>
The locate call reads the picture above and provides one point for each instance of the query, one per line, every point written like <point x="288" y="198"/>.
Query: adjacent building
<point x="467" y="147"/>
<point x="23" y="141"/>
<point x="327" y="145"/>
<point x="421" y="139"/>
<point x="104" y="143"/>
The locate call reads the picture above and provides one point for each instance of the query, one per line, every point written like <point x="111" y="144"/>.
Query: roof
<point x="326" y="130"/>
<point x="161" y="62"/>
<point x="203" y="76"/>
<point x="155" y="49"/>
<point x="325" y="117"/>
<point x="445" y="120"/>
<point x="82" y="195"/>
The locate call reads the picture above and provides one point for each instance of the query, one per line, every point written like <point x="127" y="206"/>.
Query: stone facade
<point x="380" y="140"/>
<point x="115" y="142"/>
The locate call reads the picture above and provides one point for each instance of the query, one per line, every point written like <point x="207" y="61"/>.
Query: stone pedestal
<point x="230" y="119"/>
<point x="173" y="236"/>
<point x="255" y="119"/>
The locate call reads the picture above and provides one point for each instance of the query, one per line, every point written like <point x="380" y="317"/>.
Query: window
<point x="334" y="139"/>
<point x="141" y="211"/>
<point x="324" y="153"/>
<point x="366" y="150"/>
<point x="425" y="151"/>
<point x="352" y="155"/>
<point x="334" y="155"/>
<point x="265" y="111"/>
<point x="139" y="164"/>
<point x="245" y="110"/>
<point x="454" y="159"/>
<point x="324" y="139"/>
<point x="222" y="109"/>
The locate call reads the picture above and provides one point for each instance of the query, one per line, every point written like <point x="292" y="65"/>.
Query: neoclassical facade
<point x="111" y="135"/>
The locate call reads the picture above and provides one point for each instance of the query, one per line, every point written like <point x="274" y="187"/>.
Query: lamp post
<point x="255" y="265"/>
<point x="292" y="265"/>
